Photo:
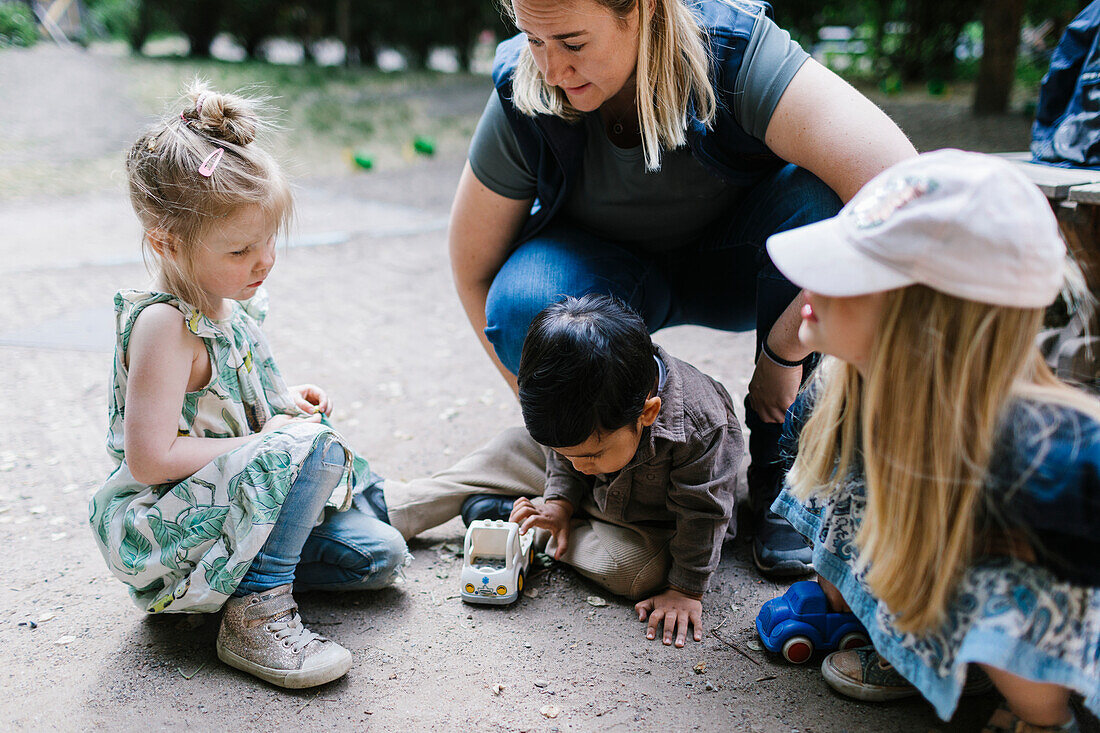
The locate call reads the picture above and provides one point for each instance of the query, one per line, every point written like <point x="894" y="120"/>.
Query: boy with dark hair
<point x="640" y="455"/>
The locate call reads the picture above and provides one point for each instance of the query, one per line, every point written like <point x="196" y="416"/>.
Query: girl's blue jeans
<point x="723" y="280"/>
<point x="349" y="550"/>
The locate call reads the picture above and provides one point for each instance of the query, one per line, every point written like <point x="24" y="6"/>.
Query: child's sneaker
<point x="262" y="634"/>
<point x="863" y="675"/>
<point x="486" y="506"/>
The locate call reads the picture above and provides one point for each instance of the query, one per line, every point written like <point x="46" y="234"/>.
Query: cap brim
<point x="819" y="258"/>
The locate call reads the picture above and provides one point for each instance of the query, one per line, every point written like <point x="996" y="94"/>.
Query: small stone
<point x="46" y="617"/>
<point x="37" y="509"/>
<point x="549" y="711"/>
<point x="448" y="414"/>
<point x="700" y="668"/>
<point x="531" y="592"/>
<point x="541" y="683"/>
<point x="709" y="687"/>
<point x="755" y="645"/>
<point x="497" y="688"/>
<point x="595" y="601"/>
<point x="63" y="640"/>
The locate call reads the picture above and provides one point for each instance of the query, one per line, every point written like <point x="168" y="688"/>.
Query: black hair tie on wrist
<point x="780" y="360"/>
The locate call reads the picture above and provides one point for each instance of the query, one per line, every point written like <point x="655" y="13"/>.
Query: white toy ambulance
<point x="496" y="559"/>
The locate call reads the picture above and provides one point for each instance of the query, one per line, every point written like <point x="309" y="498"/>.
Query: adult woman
<point x="648" y="149"/>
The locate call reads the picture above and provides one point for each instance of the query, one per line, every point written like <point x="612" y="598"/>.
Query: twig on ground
<point x="189" y="676"/>
<point x="308" y="702"/>
<point x="734" y="647"/>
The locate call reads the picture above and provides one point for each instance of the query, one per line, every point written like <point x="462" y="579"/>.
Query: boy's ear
<point x="163" y="242"/>
<point x="650" y="411"/>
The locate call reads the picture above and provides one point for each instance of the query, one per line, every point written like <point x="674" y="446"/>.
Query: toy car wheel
<point x="798" y="649"/>
<point x="853" y="640"/>
<point x="519" y="583"/>
<point x="531" y="554"/>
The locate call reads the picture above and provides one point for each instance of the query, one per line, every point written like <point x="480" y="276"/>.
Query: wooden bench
<point x="1075" y="197"/>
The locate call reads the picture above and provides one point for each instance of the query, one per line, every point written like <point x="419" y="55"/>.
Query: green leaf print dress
<point x="184" y="547"/>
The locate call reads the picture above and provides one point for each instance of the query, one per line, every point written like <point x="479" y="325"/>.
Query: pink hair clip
<point x="210" y="162"/>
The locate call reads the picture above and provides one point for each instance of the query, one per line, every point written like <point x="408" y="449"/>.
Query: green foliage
<point x="118" y="18"/>
<point x="17" y="26"/>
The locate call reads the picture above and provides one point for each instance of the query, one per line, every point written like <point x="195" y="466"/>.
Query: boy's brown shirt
<point x="683" y="477"/>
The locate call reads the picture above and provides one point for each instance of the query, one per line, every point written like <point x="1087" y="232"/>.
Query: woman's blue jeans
<point x="349" y="550"/>
<point x="724" y="280"/>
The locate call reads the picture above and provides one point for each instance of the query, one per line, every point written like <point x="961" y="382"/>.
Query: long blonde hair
<point x="922" y="426"/>
<point x="672" y="71"/>
<point x="169" y="194"/>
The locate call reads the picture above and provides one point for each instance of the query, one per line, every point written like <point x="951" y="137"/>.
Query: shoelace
<point x="292" y="633"/>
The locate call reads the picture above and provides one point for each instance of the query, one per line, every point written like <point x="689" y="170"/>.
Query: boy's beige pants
<point x="626" y="559"/>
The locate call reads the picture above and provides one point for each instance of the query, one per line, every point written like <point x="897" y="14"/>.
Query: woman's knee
<point x="814" y="200"/>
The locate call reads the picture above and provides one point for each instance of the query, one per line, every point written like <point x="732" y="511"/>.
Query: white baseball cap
<point x="966" y="224"/>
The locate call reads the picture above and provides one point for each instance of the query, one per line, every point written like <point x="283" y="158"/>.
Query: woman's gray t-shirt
<point x="616" y="199"/>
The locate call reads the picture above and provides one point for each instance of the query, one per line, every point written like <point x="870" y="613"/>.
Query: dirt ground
<point x="363" y="305"/>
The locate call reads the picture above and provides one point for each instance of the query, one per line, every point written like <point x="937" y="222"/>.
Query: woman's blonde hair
<point x="672" y="72"/>
<point x="922" y="424"/>
<point x="171" y="197"/>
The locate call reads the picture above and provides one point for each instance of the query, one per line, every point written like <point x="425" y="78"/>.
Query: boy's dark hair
<point x="587" y="367"/>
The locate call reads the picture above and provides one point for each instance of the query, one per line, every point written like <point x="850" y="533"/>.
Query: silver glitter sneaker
<point x="262" y="634"/>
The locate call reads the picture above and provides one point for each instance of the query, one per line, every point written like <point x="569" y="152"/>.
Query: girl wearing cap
<point x="949" y="482"/>
<point x="647" y="149"/>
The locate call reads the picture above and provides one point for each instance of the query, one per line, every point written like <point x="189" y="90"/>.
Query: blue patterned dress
<point x="1039" y="620"/>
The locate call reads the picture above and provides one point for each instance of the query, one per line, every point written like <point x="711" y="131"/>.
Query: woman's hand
<point x="311" y="399"/>
<point x="553" y="515"/>
<point x="773" y="389"/>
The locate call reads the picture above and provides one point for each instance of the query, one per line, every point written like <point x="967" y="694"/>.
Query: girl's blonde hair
<point x="171" y="197"/>
<point x="922" y="425"/>
<point x="672" y="72"/>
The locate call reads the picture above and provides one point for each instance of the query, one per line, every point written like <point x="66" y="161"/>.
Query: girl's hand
<point x="773" y="389"/>
<point x="278" y="421"/>
<point x="677" y="609"/>
<point x="311" y="399"/>
<point x="553" y="515"/>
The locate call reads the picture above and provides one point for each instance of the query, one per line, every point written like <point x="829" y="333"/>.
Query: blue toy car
<point x="799" y="621"/>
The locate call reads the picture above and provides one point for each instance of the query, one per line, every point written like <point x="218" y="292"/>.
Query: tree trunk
<point x="1001" y="33"/>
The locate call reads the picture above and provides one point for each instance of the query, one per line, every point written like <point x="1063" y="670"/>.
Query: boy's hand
<point x="553" y="515"/>
<point x="677" y="609"/>
<point x="311" y="399"/>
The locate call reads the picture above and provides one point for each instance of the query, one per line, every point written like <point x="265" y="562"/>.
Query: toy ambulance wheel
<point x="519" y="583"/>
<point x="531" y="554"/>
<point x="798" y="649"/>
<point x="853" y="640"/>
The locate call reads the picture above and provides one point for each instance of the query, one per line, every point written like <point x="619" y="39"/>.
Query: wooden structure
<point x="1074" y="194"/>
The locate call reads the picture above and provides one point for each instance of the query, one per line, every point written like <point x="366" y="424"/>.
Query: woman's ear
<point x="163" y="242"/>
<point x="650" y="411"/>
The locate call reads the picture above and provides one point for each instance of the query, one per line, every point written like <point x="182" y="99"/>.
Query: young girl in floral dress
<point x="230" y="489"/>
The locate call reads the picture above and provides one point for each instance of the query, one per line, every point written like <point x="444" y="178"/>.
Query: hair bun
<point x="222" y="116"/>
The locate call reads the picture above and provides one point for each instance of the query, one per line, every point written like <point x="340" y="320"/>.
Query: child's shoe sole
<point x="326" y="666"/>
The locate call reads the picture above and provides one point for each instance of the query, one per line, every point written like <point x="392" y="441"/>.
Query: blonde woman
<point x="949" y="482"/>
<point x="647" y="149"/>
